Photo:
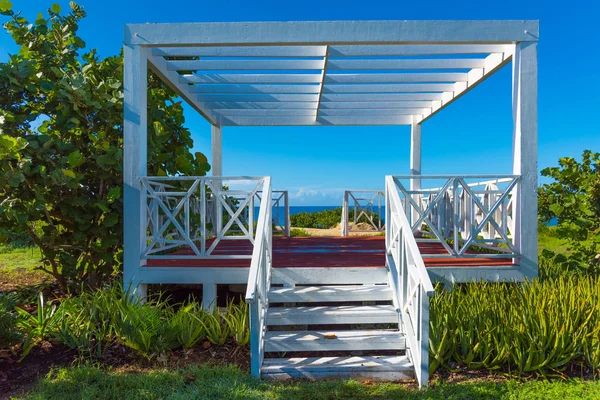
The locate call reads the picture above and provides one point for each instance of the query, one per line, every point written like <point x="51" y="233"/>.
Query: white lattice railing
<point x="463" y="213"/>
<point x="409" y="280"/>
<point x="198" y="213"/>
<point x="259" y="279"/>
<point x="366" y="207"/>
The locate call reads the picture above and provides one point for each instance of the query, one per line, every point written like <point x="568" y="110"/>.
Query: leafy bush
<point x="573" y="198"/>
<point x="537" y="327"/>
<point x="9" y="334"/>
<point x="325" y="219"/>
<point x="61" y="145"/>
<point x="298" y="232"/>
<point x="94" y="321"/>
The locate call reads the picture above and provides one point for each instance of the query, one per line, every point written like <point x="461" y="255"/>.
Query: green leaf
<point x="55" y="8"/>
<point x="68" y="173"/>
<point x="5" y="6"/>
<point x="113" y="194"/>
<point x="75" y="159"/>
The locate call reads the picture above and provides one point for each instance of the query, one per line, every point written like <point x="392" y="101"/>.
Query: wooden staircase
<point x="315" y="331"/>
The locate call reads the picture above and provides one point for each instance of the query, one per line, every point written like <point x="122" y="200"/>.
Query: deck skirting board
<point x="476" y="273"/>
<point x="192" y="275"/>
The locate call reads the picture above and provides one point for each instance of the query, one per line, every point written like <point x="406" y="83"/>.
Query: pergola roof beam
<point x="158" y="65"/>
<point x="380" y="97"/>
<point x="242" y="51"/>
<point x="270" y="105"/>
<point x="491" y="64"/>
<point x="311" y="121"/>
<point x="400" y="64"/>
<point x="247" y="89"/>
<point x="209" y="97"/>
<point x="415" y="50"/>
<point x="396" y="77"/>
<point x="245" y="65"/>
<point x="322" y="112"/>
<point x="250" y="78"/>
<point x="331" y="32"/>
<point x="388" y="88"/>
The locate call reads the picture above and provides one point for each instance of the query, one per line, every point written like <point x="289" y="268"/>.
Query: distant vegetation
<point x="325" y="219"/>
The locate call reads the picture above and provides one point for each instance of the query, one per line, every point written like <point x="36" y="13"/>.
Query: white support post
<point x="135" y="158"/>
<point x="209" y="296"/>
<point x="415" y="165"/>
<point x="525" y="148"/>
<point x="217" y="151"/>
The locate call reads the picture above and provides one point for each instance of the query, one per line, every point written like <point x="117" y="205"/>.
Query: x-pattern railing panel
<point x="463" y="215"/>
<point x="363" y="207"/>
<point x="198" y="213"/>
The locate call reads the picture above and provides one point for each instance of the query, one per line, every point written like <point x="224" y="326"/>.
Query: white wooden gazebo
<point x="323" y="74"/>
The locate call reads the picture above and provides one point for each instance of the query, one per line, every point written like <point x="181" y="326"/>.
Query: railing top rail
<point x="481" y="183"/>
<point x="464" y="176"/>
<point x="411" y="242"/>
<point x="365" y="191"/>
<point x="205" y="177"/>
<point x="263" y="223"/>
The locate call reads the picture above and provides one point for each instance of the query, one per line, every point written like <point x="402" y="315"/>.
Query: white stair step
<point x="315" y="294"/>
<point x="327" y="315"/>
<point x="385" y="368"/>
<point x="334" y="340"/>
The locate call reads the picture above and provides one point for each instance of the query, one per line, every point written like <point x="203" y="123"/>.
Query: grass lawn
<point x="548" y="239"/>
<point x="17" y="267"/>
<point x="204" y="382"/>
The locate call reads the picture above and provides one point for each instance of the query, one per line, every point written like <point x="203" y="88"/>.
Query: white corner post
<point x="217" y="151"/>
<point x="415" y="166"/>
<point x="135" y="158"/>
<point x="209" y="290"/>
<point x="525" y="155"/>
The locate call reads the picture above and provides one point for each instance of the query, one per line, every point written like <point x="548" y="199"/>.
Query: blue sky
<point x="473" y="135"/>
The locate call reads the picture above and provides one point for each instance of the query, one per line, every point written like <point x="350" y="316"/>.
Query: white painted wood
<point x="400" y="64"/>
<point x="415" y="49"/>
<point x="253" y="89"/>
<point x="331" y="32"/>
<point x="379" y="368"/>
<point x="217" y="150"/>
<point x="209" y="97"/>
<point x="355" y="340"/>
<point x="380" y="97"/>
<point x="309" y="121"/>
<point x="261" y="112"/>
<point x="242" y="51"/>
<point x="238" y="78"/>
<point x="396" y="77"/>
<point x="373" y="112"/>
<point x="135" y="161"/>
<point x="245" y="65"/>
<point x="415" y="162"/>
<point x="318" y="294"/>
<point x="330" y="315"/>
<point x="388" y="88"/>
<point x="193" y="276"/>
<point x="209" y="296"/>
<point x="329" y="276"/>
<point x="490" y="64"/>
<point x="359" y="105"/>
<point x="525" y="150"/>
<point x="270" y="105"/>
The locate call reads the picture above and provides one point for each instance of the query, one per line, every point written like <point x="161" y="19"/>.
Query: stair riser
<point x="331" y="320"/>
<point x="365" y="375"/>
<point x="329" y="276"/>
<point x="328" y="345"/>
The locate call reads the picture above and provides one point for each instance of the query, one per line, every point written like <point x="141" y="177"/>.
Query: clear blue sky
<point x="473" y="135"/>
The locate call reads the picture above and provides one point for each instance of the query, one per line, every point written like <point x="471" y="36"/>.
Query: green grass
<point x="204" y="382"/>
<point x="19" y="258"/>
<point x="548" y="239"/>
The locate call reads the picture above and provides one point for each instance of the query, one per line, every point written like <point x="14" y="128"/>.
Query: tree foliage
<point x="61" y="145"/>
<point x="573" y="199"/>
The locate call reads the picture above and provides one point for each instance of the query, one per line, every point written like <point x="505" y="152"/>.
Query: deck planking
<point x="313" y="251"/>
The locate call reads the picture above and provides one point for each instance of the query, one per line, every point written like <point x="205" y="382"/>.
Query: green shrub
<point x="298" y="232"/>
<point x="9" y="334"/>
<point x="37" y="326"/>
<point x="536" y="327"/>
<point x="325" y="219"/>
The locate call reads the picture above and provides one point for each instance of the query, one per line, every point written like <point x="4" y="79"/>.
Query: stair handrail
<point x="410" y="281"/>
<point x="259" y="279"/>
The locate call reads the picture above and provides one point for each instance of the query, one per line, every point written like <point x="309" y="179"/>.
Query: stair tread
<point x="315" y="315"/>
<point x="331" y="293"/>
<point x="371" y="367"/>
<point x="375" y="339"/>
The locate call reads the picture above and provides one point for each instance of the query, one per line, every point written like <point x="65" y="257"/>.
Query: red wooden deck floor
<point x="355" y="251"/>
